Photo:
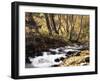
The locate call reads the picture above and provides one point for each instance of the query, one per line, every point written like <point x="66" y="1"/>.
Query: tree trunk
<point x="48" y="24"/>
<point x="81" y="26"/>
<point x="53" y="23"/>
<point x="72" y="21"/>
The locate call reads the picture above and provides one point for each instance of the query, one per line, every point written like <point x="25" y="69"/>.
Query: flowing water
<point x="53" y="57"/>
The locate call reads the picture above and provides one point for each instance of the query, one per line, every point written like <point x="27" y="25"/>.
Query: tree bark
<point x="81" y="26"/>
<point x="48" y="23"/>
<point x="53" y="23"/>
